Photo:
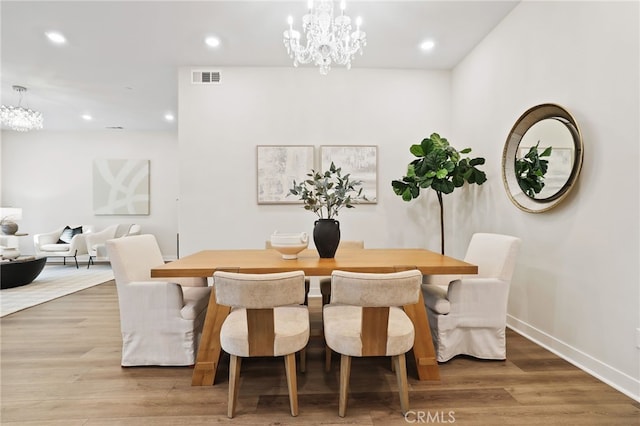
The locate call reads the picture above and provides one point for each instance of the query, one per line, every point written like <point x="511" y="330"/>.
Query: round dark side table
<point x="20" y="272"/>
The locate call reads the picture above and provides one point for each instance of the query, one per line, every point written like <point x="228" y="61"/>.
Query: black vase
<point x="326" y="236"/>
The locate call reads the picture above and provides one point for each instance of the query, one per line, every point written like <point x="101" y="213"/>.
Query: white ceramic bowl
<point x="9" y="253"/>
<point x="289" y="245"/>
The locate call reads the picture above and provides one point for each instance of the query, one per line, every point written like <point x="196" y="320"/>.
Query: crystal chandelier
<point x="18" y="118"/>
<point x="328" y="39"/>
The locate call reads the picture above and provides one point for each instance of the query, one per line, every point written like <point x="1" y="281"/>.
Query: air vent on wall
<point x="205" y="77"/>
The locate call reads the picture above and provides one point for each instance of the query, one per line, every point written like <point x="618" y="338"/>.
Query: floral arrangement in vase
<point x="325" y="194"/>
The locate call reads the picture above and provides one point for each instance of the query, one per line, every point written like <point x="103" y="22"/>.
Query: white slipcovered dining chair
<point x="467" y="314"/>
<point x="161" y="321"/>
<point x="365" y="318"/>
<point x="267" y="319"/>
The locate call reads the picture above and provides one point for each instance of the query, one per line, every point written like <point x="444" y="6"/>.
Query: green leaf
<point x="416" y="150"/>
<point x="426" y="183"/>
<point x="443" y="186"/>
<point x="422" y="167"/>
<point x="426" y="146"/>
<point x="480" y="176"/>
<point x="398" y="186"/>
<point x="439" y="142"/>
<point x="465" y="151"/>
<point x="442" y="173"/>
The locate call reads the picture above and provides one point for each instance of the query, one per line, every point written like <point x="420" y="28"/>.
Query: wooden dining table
<point x="206" y="262"/>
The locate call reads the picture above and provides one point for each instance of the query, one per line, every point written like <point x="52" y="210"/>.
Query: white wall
<point x="576" y="287"/>
<point x="49" y="175"/>
<point x="220" y="126"/>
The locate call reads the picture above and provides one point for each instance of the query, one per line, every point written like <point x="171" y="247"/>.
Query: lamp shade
<point x="10" y="213"/>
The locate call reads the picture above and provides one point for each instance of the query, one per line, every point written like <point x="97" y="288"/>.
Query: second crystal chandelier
<point x="19" y="118"/>
<point x="328" y="39"/>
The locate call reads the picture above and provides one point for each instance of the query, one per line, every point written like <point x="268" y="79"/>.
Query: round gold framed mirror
<point x="542" y="158"/>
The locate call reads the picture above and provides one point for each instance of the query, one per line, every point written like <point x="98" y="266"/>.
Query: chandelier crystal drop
<point x="19" y="118"/>
<point x="328" y="39"/>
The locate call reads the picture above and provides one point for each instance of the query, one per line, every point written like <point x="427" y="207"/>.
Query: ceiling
<point x="121" y="59"/>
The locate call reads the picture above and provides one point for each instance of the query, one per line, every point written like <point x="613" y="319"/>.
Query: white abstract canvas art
<point x="120" y="187"/>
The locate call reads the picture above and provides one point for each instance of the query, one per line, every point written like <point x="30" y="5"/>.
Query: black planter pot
<point x="326" y="236"/>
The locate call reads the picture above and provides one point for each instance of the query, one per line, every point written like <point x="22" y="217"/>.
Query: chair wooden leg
<point x="234" y="378"/>
<point x="292" y="382"/>
<point x="325" y="299"/>
<point x="400" y="363"/>
<point x="345" y="371"/>
<point x="327" y="358"/>
<point x="303" y="360"/>
<point x="307" y="286"/>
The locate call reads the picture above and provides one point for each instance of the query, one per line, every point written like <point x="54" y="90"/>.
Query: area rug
<point x="53" y="282"/>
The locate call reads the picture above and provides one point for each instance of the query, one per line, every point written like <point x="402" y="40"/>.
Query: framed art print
<point x="277" y="167"/>
<point x="361" y="161"/>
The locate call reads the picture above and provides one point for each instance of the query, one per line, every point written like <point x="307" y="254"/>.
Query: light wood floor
<point x="61" y="366"/>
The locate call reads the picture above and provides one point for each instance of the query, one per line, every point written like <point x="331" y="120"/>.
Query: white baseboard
<point x="616" y="379"/>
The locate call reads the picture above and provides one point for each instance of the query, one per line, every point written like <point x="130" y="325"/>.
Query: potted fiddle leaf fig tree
<point x="325" y="194"/>
<point x="440" y="167"/>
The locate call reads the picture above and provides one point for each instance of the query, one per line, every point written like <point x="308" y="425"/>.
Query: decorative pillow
<point x="68" y="233"/>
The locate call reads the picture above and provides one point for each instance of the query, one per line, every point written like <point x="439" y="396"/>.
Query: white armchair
<point x="467" y="314"/>
<point x="160" y="321"/>
<point x="96" y="240"/>
<point x="49" y="244"/>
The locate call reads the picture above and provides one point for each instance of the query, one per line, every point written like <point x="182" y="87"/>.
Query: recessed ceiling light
<point x="56" y="37"/>
<point x="212" y="41"/>
<point x="87" y="117"/>
<point x="427" y="45"/>
<point x="169" y="117"/>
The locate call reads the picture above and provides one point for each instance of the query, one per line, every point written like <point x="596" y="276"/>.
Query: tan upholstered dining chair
<point x="307" y="282"/>
<point x="365" y="318"/>
<point x="468" y="314"/>
<point x="267" y="319"/>
<point x="325" y="291"/>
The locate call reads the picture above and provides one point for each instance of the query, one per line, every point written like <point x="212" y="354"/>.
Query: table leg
<point x="204" y="372"/>
<point x="423" y="349"/>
